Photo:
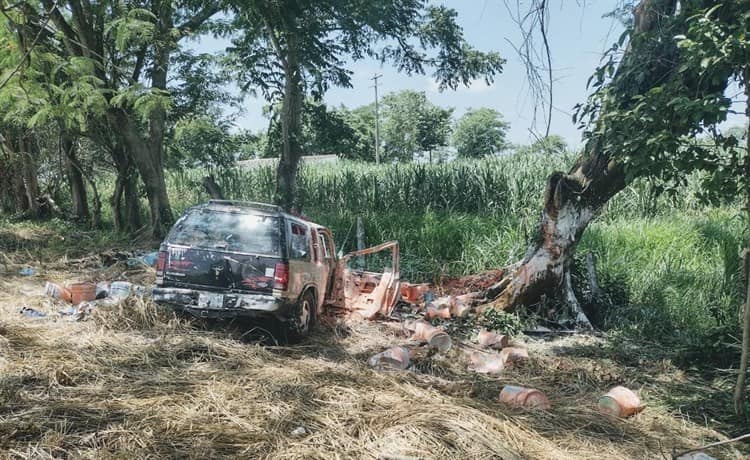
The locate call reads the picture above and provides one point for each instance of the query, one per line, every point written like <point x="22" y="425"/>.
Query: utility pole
<point x="377" y="119"/>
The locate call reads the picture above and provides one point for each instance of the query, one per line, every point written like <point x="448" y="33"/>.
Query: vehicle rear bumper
<point x="233" y="304"/>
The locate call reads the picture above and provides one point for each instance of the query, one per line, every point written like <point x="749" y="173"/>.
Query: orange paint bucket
<point x="514" y="355"/>
<point x="524" y="397"/>
<point x="435" y="337"/>
<point x="413" y="293"/>
<point x="486" y="363"/>
<point x="392" y="358"/>
<point x="437" y="312"/>
<point x="82" y="292"/>
<point x="489" y="339"/>
<point x="620" y="402"/>
<point x="56" y="291"/>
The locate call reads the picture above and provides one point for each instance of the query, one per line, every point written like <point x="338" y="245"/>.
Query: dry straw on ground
<point x="131" y="383"/>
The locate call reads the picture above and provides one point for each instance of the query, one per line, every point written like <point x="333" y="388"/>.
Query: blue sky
<point x="578" y="37"/>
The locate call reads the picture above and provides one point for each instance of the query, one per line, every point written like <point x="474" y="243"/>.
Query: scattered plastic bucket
<point x="434" y="311"/>
<point x="524" y="397"/>
<point x="489" y="339"/>
<point x="120" y="289"/>
<point x="392" y="358"/>
<point x="435" y="337"/>
<point x="514" y="355"/>
<point x="620" y="402"/>
<point x="82" y="292"/>
<point x="58" y="292"/>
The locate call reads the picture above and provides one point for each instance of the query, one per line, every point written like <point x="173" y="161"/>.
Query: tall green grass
<point x="669" y="265"/>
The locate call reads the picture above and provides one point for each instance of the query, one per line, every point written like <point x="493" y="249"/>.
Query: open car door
<point x="372" y="288"/>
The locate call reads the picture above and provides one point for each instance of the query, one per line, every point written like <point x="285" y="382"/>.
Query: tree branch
<point x="198" y="20"/>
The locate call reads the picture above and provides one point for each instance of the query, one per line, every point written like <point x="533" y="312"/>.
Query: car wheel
<point x="304" y="318"/>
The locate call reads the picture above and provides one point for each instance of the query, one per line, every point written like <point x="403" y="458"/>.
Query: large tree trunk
<point x="291" y="129"/>
<point x="79" y="200"/>
<point x="29" y="173"/>
<point x="572" y="200"/>
<point x="124" y="200"/>
<point x="739" y="389"/>
<point x="147" y="158"/>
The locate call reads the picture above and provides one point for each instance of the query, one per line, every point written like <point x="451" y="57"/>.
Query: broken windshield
<point x="250" y="233"/>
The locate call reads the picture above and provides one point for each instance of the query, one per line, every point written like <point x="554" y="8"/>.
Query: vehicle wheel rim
<point x="304" y="316"/>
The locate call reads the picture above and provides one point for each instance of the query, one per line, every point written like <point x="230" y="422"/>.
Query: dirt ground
<point x="131" y="383"/>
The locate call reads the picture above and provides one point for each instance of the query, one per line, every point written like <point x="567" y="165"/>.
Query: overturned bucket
<point x="435" y="337"/>
<point x="486" y="363"/>
<point x="620" y="402"/>
<point x="514" y="355"/>
<point x="392" y="358"/>
<point x="56" y="291"/>
<point x="433" y="311"/>
<point x="489" y="339"/>
<point x="82" y="292"/>
<point x="524" y="397"/>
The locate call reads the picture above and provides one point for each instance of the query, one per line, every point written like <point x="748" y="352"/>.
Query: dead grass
<point x="132" y="383"/>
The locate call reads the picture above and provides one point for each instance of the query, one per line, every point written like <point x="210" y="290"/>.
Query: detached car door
<point x="368" y="281"/>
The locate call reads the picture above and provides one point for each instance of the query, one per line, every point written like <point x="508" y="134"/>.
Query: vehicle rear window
<point x="252" y="233"/>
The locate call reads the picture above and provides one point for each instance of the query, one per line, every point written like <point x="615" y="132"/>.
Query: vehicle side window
<point x="299" y="242"/>
<point x="324" y="246"/>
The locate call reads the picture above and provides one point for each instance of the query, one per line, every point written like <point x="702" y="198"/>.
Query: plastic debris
<point x="392" y="358"/>
<point x="414" y="293"/>
<point x="435" y="337"/>
<point x="120" y="289"/>
<point x="620" y="402"/>
<point x="82" y="292"/>
<point x="102" y="290"/>
<point x="489" y="339"/>
<point x="148" y="259"/>
<point x="299" y="431"/>
<point x="514" y="355"/>
<point x="696" y="456"/>
<point x="31" y="313"/>
<point x="486" y="363"/>
<point x="434" y="311"/>
<point x="56" y="291"/>
<point x="524" y="397"/>
<point x="27" y="271"/>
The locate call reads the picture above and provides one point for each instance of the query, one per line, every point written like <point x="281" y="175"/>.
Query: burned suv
<point x="227" y="259"/>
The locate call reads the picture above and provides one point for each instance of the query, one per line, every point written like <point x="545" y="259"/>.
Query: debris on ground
<point x="620" y="402"/>
<point x="27" y="271"/>
<point x="435" y="337"/>
<point x="514" y="355"/>
<point x="392" y="358"/>
<point x="489" y="339"/>
<point x="486" y="363"/>
<point x="32" y="313"/>
<point x="299" y="431"/>
<point x="524" y="397"/>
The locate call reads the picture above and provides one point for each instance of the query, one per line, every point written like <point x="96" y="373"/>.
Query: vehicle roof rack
<point x="249" y="204"/>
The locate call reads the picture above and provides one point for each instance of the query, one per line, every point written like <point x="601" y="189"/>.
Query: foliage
<point x="412" y="124"/>
<point x="479" y="133"/>
<point x="506" y="323"/>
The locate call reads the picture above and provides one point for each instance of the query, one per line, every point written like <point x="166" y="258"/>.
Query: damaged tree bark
<point x="573" y="199"/>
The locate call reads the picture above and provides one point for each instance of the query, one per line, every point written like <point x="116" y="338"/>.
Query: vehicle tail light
<point x="281" y="276"/>
<point x="161" y="262"/>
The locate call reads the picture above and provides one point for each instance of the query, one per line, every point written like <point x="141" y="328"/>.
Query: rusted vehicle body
<point x="225" y="259"/>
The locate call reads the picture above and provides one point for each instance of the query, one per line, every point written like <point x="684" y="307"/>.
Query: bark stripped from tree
<point x="573" y="199"/>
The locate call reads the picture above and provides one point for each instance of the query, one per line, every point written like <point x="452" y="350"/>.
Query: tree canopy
<point x="480" y="132"/>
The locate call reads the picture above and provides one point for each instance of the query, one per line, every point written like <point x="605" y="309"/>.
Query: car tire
<point x="302" y="322"/>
